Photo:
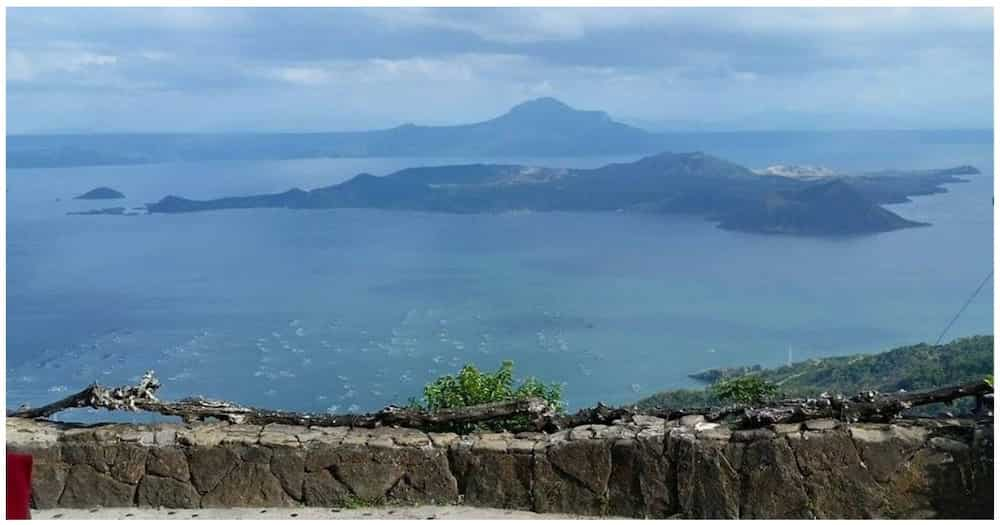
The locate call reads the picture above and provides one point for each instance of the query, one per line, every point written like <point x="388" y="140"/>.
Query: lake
<point x="350" y="310"/>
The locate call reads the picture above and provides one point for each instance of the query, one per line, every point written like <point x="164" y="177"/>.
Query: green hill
<point x="910" y="368"/>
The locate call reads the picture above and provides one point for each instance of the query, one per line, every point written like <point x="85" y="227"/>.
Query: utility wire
<point x="964" y="306"/>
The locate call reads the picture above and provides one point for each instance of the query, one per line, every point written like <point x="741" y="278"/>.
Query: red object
<point x="18" y="486"/>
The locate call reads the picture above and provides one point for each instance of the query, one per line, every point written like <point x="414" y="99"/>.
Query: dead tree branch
<point x="97" y="396"/>
<point x="141" y="398"/>
<point x="866" y="406"/>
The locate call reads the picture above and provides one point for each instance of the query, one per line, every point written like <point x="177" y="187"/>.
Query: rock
<point x="772" y="482"/>
<point x="911" y="468"/>
<point x="981" y="456"/>
<point x="718" y="433"/>
<point x="837" y="481"/>
<point x="165" y="436"/>
<point x="358" y="437"/>
<point x="241" y="434"/>
<point x="883" y="449"/>
<point x="822" y="424"/>
<point x="322" y="436"/>
<point x="691" y="420"/>
<point x="948" y="445"/>
<point x="408" y="437"/>
<point x="707" y="476"/>
<point x="705" y="427"/>
<point x="489" y="478"/>
<point x="288" y="465"/>
<point x="786" y="428"/>
<point x="444" y="440"/>
<point x="47" y="483"/>
<point x="572" y="476"/>
<point x="521" y="445"/>
<point x="86" y="487"/>
<point x="280" y="436"/>
<point x="155" y="491"/>
<point x="202" y="435"/>
<point x="209" y="465"/>
<point x="247" y="485"/>
<point x="321" y="489"/>
<point x="648" y="421"/>
<point x="638" y="486"/>
<point x="929" y="485"/>
<point x="496" y="445"/>
<point x="584" y="432"/>
<point x="48" y="471"/>
<point x="169" y="462"/>
<point x="371" y="472"/>
<point x="125" y="463"/>
<point x="31" y="434"/>
<point x="756" y="434"/>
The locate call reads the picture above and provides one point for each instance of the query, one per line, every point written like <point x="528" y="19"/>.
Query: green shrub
<point x="747" y="390"/>
<point x="470" y="386"/>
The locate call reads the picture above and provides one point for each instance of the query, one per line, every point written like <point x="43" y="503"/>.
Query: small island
<point x="102" y="192"/>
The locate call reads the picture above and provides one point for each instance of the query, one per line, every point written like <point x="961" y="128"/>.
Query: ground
<point x="424" y="512"/>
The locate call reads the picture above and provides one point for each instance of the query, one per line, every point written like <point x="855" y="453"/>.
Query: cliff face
<point x="644" y="468"/>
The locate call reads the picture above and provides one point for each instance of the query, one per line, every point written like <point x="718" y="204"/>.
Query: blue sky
<point x="184" y="69"/>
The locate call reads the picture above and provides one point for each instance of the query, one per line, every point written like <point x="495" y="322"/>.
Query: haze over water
<point x="350" y="310"/>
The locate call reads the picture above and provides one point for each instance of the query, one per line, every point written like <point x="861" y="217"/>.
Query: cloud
<point x="306" y="76"/>
<point x="505" y="26"/>
<point x="62" y="61"/>
<point x="380" y="67"/>
<point x="455" y="69"/>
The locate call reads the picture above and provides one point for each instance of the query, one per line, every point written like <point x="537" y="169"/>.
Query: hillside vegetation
<point x="910" y="368"/>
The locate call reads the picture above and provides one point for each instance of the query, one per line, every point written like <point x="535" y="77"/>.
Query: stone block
<point x="492" y="478"/>
<point x="86" y="487"/>
<point x="156" y="491"/>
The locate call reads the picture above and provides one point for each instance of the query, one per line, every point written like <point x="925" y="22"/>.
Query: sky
<point x="241" y="69"/>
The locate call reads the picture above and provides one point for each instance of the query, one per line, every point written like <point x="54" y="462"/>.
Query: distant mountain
<point x="536" y="128"/>
<point x="49" y="151"/>
<point x="542" y="127"/>
<point x="693" y="183"/>
<point x="101" y="193"/>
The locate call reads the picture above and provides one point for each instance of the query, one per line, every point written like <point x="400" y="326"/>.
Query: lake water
<point x="350" y="310"/>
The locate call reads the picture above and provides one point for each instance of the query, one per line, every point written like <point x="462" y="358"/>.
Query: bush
<point x="747" y="390"/>
<point x="473" y="387"/>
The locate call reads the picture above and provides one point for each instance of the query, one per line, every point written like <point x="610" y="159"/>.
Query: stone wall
<point x="645" y="468"/>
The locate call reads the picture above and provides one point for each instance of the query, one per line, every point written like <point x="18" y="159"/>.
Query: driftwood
<point x="605" y="415"/>
<point x="96" y="396"/>
<point x="872" y="407"/>
<point x="866" y="406"/>
<point x="142" y="397"/>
